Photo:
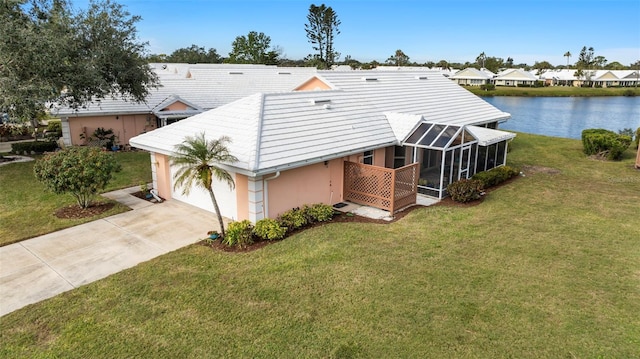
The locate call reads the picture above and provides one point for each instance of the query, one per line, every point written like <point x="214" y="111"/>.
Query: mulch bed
<point x="75" y="211"/>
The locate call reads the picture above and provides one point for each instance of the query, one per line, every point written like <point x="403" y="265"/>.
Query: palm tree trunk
<point x="217" y="209"/>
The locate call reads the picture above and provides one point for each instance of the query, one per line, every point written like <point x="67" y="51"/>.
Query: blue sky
<point x="426" y="30"/>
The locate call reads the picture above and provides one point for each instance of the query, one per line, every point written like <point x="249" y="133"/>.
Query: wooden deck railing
<point x="380" y="187"/>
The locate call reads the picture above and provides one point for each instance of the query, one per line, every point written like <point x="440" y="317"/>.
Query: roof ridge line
<point x="259" y="132"/>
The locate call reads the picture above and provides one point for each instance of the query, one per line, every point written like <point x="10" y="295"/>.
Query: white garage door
<point x="199" y="197"/>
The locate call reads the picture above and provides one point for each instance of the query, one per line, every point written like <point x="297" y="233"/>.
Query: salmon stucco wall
<point x="317" y="183"/>
<point x="242" y="196"/>
<point x="124" y="126"/>
<point x="638" y="158"/>
<point x="162" y="175"/>
<point x="176" y="106"/>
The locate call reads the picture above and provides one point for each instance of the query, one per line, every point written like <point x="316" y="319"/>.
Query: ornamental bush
<point x="318" y="212"/>
<point x="604" y="143"/>
<point x="269" y="229"/>
<point x="238" y="234"/>
<point x="465" y="190"/>
<point x="79" y="171"/>
<point x="496" y="175"/>
<point x="293" y="219"/>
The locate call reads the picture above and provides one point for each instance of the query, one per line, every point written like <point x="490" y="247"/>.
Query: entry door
<point x="465" y="161"/>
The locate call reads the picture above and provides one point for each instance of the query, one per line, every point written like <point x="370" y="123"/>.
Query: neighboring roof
<point x="516" y="75"/>
<point x="276" y="131"/>
<point x="204" y="86"/>
<point x="488" y="136"/>
<point x="473" y="73"/>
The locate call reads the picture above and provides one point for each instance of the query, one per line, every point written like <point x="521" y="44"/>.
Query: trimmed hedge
<point x="465" y="190"/>
<point x="605" y="143"/>
<point x="38" y="147"/>
<point x="496" y="175"/>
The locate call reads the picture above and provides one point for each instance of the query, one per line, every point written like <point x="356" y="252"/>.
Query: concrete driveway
<point x="42" y="267"/>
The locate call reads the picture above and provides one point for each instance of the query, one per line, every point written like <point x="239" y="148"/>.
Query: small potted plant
<point x="144" y="188"/>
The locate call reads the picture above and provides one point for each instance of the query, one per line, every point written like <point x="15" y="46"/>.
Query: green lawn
<point x="547" y="266"/>
<point x="553" y="91"/>
<point x="27" y="208"/>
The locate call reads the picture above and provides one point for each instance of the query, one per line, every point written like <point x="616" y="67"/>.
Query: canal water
<point x="568" y="116"/>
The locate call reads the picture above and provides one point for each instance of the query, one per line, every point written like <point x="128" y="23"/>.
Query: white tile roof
<point x="516" y="75"/>
<point x="473" y="73"/>
<point x="488" y="136"/>
<point x="206" y="86"/>
<point x="276" y="131"/>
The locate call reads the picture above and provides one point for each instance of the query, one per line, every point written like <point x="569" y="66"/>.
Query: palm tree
<point x="198" y="161"/>
<point x="567" y="55"/>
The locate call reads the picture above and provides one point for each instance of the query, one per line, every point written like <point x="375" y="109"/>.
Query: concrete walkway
<point x="42" y="267"/>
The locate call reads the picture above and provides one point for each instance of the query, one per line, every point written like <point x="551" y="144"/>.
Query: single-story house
<point x="372" y="137"/>
<point x="603" y="78"/>
<point x="185" y="90"/>
<point x="473" y="77"/>
<point x="514" y="77"/>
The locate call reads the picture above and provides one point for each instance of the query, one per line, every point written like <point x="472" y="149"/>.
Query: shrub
<point x="488" y="87"/>
<point x="318" y="212"/>
<point x="238" y="234"/>
<point x="38" y="147"/>
<point x="496" y="175"/>
<point x="605" y="143"/>
<point x="54" y="130"/>
<point x="269" y="229"/>
<point x="628" y="93"/>
<point x="465" y="190"/>
<point x="79" y="171"/>
<point x="292" y="219"/>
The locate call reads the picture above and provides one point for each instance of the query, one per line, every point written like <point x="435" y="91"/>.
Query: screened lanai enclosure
<point x="448" y="153"/>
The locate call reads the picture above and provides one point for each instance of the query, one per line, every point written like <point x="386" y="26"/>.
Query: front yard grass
<point x="547" y="266"/>
<point x="27" y="208"/>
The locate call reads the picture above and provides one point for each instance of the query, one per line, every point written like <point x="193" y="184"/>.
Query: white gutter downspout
<point x="265" y="206"/>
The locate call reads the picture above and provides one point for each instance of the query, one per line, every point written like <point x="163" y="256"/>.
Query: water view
<point x="568" y="116"/>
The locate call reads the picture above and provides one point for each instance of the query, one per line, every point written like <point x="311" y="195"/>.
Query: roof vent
<point x="284" y="73"/>
<point x="370" y="79"/>
<point x="235" y="72"/>
<point x="421" y="77"/>
<point x="321" y="102"/>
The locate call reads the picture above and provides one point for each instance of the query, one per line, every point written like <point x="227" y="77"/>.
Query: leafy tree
<point x="51" y="53"/>
<point x="79" y="171"/>
<point x="584" y="64"/>
<point x="253" y="49"/>
<point x="194" y="54"/>
<point x="444" y="65"/>
<point x="509" y="63"/>
<point x="543" y="65"/>
<point x="567" y="55"/>
<point x="493" y="64"/>
<point x="321" y="29"/>
<point x="599" y="62"/>
<point x="198" y="161"/>
<point x="615" y="65"/>
<point x="480" y="60"/>
<point x="399" y="58"/>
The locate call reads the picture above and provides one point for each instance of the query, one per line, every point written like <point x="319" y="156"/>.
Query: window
<point x="398" y="156"/>
<point x="367" y="158"/>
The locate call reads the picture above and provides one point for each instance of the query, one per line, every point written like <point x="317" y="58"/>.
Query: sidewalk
<point x="42" y="267"/>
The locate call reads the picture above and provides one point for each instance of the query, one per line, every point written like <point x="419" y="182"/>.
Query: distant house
<point x="378" y="138"/>
<point x="185" y="90"/>
<point x="514" y="77"/>
<point x="599" y="78"/>
<point x="472" y="77"/>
